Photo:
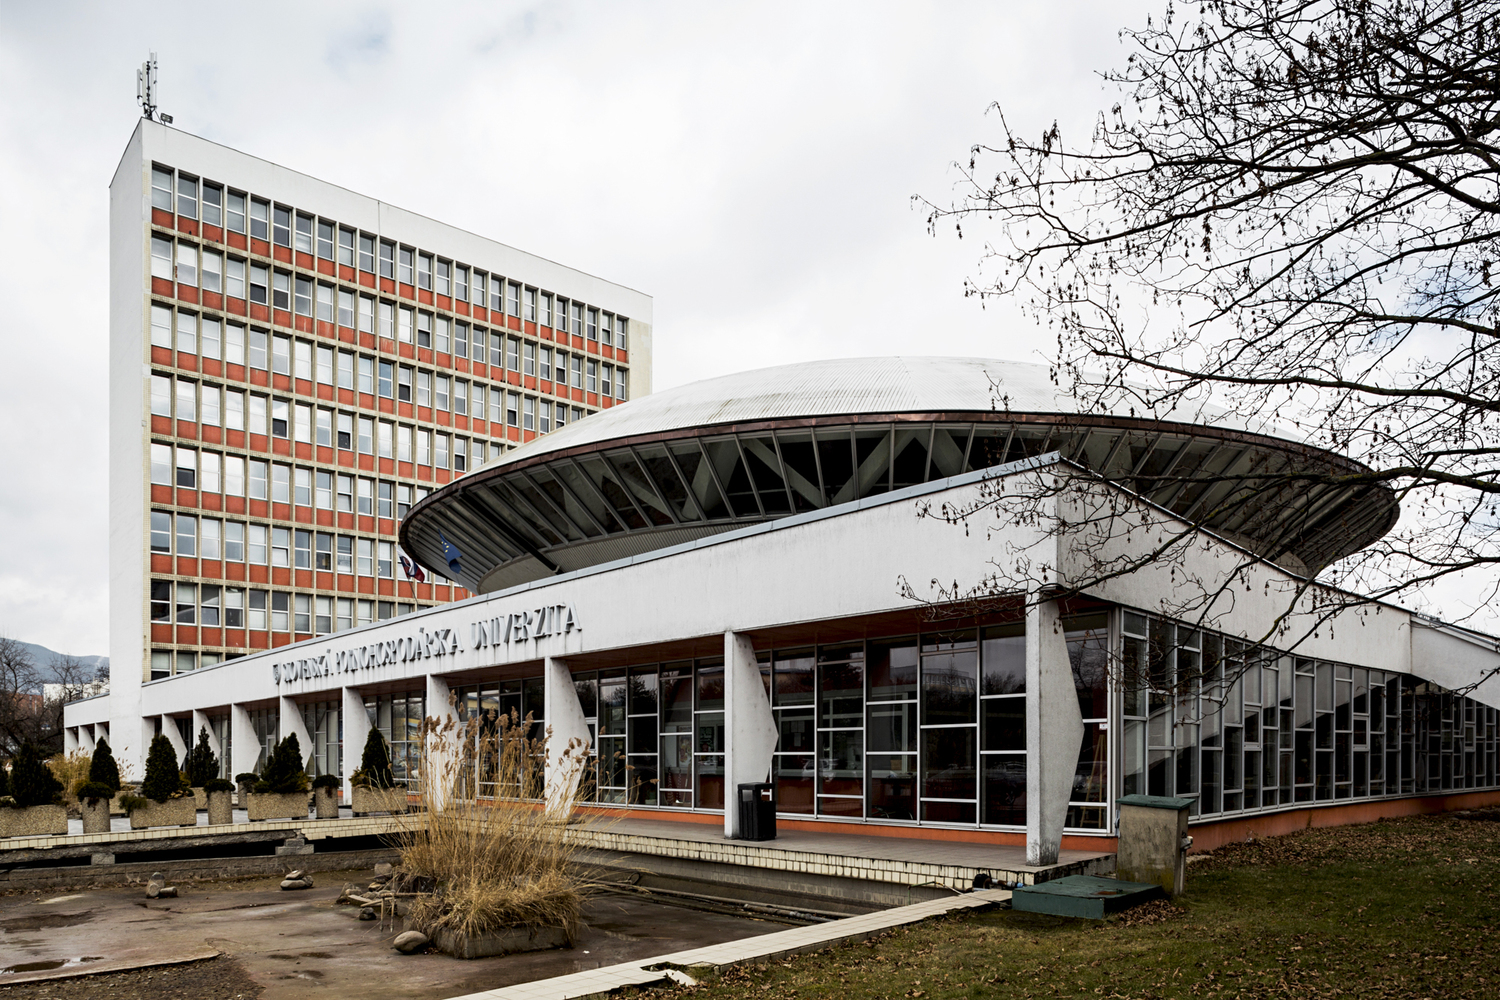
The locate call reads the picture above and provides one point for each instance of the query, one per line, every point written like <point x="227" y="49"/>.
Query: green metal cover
<point x="1155" y="801"/>
<point x="1087" y="896"/>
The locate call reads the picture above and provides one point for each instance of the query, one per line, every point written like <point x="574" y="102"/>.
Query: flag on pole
<point x="452" y="555"/>
<point x="412" y="570"/>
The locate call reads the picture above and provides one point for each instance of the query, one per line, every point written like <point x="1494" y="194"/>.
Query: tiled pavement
<point x="764" y="947"/>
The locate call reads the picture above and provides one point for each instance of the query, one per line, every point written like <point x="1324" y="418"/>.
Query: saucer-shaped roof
<point x="753" y="446"/>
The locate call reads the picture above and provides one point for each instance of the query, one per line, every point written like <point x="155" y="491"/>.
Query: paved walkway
<point x="904" y="860"/>
<point x="764" y="947"/>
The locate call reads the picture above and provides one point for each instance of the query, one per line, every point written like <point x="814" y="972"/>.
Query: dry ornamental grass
<point x="488" y="836"/>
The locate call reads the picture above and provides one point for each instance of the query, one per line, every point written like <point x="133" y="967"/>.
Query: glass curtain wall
<point x="264" y="723"/>
<point x="321" y="718"/>
<point x="1242" y="728"/>
<point x="479" y="708"/>
<point x="399" y="719"/>
<point x="925" y="728"/>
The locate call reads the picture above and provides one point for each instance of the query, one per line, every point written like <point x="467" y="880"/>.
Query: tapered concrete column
<point x="356" y="730"/>
<point x="749" y="726"/>
<point x="70" y="739"/>
<point x="169" y="729"/>
<point x="200" y="724"/>
<point x="439" y="757"/>
<point x="291" y="724"/>
<point x="1054" y="732"/>
<point x="101" y="732"/>
<point x="244" y="745"/>
<point x="568" y="740"/>
<point x="85" y="739"/>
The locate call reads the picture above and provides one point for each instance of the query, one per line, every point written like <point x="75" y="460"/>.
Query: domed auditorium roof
<point x="754" y="446"/>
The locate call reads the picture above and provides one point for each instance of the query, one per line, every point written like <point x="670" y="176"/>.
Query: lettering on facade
<point x="438" y="642"/>
<point x="524" y="626"/>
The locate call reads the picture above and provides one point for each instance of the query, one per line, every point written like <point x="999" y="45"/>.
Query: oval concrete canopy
<point x="754" y="446"/>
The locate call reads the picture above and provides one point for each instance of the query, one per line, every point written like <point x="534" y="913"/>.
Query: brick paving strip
<point x="764" y="947"/>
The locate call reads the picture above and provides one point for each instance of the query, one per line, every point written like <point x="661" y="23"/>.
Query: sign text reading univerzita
<point x="504" y="630"/>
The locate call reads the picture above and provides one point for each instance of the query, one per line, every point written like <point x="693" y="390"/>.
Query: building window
<point x="544" y="368"/>
<point x="304" y="302"/>
<point x="593" y="325"/>
<point x="622" y="331"/>
<point x="606" y="330"/>
<point x="424" y="271"/>
<point x="304" y="233"/>
<point x="387" y="259"/>
<point x="561" y="317"/>
<point x="187" y="196"/>
<point x="424" y="329"/>
<point x="236" y="213"/>
<point x="367" y="375"/>
<point x="280" y="418"/>
<point x="234" y="278"/>
<point x="161" y="531"/>
<point x="577" y="364"/>
<point x="528" y="413"/>
<point x="387" y="374"/>
<point x="187" y="603"/>
<point x="461" y="283"/>
<point x="367" y="253"/>
<point x="346" y="432"/>
<point x="302" y="620"/>
<point x="281" y="547"/>
<point x="255" y="611"/>
<point x="591" y="381"/>
<point x="259" y="479"/>
<point x="281" y="227"/>
<point x="234" y="541"/>
<point x="346" y="494"/>
<point x="234" y="607"/>
<point x="403" y="384"/>
<point x="208" y="606"/>
<point x="161" y="189"/>
<point x="606" y="387"/>
<point x="260" y="215"/>
<point x="514" y="355"/>
<point x="444" y="278"/>
<point x="161" y="601"/>
<point x="404" y="269"/>
<point x="187" y="468"/>
<point x="187" y="333"/>
<point x="476" y="289"/>
<point x="366" y="497"/>
<point x="345" y="553"/>
<point x="512" y="409"/>
<point x="213" y="202"/>
<point x="187" y="264"/>
<point x="302" y="487"/>
<point x="281" y="483"/>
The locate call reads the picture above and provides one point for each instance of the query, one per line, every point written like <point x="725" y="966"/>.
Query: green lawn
<point x="1407" y="908"/>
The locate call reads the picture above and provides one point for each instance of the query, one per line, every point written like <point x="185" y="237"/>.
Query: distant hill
<point x="43" y="658"/>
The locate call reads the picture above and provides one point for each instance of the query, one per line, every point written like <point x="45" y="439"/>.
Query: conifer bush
<point x="202" y="762"/>
<point x="32" y="783"/>
<point x="283" y="774"/>
<point x="375" y="765"/>
<point x="103" y="768"/>
<point x="163" y="779"/>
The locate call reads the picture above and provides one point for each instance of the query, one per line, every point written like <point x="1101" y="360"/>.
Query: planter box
<point x="220" y="808"/>
<point x="269" y="805"/>
<point x="200" y="799"/>
<point x="115" y="809"/>
<point x="173" y="812"/>
<point x="33" y="821"/>
<point x="242" y="795"/>
<point x="376" y="800"/>
<point x="326" y="801"/>
<point x="95" y="815"/>
<point x="506" y="942"/>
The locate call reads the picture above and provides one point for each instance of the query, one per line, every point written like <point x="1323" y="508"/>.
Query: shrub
<point x="326" y="781"/>
<point x="31" y="781"/>
<point x="163" y="779"/>
<point x="4" y="782"/>
<point x="284" y="774"/>
<point x="102" y="766"/>
<point x="375" y="765"/>
<point x="218" y="785"/>
<point x="500" y="863"/>
<point x="246" y="778"/>
<point x="71" y="770"/>
<point x="130" y="803"/>
<point x="202" y="762"/>
<point x="93" y="791"/>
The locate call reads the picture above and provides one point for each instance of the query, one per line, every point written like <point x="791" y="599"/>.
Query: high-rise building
<point x="292" y="366"/>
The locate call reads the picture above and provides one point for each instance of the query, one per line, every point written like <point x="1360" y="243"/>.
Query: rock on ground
<point x="409" y="941"/>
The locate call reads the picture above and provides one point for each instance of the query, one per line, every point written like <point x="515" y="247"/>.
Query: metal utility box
<point x="1154" y="841"/>
<point x="757" y="819"/>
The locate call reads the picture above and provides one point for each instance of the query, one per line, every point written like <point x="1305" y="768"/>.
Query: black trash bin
<point x="757" y="812"/>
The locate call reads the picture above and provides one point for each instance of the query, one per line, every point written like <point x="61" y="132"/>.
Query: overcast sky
<point x="749" y="166"/>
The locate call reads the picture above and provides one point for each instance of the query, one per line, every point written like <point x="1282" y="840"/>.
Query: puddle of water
<point x="59" y="899"/>
<point x="49" y="965"/>
<point x="44" y="921"/>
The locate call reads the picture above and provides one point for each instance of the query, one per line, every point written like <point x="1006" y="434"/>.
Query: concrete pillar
<point x="243" y="743"/>
<point x="440" y="757"/>
<point x="356" y="730"/>
<point x="169" y="730"/>
<point x="1054" y="732"/>
<point x="568" y="736"/>
<point x="85" y="738"/>
<point x="101" y="732"/>
<point x="291" y="724"/>
<point x="749" y="727"/>
<point x="70" y="739"/>
<point x="200" y="724"/>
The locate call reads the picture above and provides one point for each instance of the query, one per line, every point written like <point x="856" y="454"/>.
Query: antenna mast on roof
<point x="145" y="91"/>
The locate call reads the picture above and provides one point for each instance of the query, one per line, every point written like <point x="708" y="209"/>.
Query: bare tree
<point x="29" y="712"/>
<point x="1293" y="207"/>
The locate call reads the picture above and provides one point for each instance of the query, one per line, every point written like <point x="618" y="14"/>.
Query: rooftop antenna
<point x="145" y="91"/>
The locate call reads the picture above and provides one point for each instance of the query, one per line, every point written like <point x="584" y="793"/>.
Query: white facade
<point x="835" y="572"/>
